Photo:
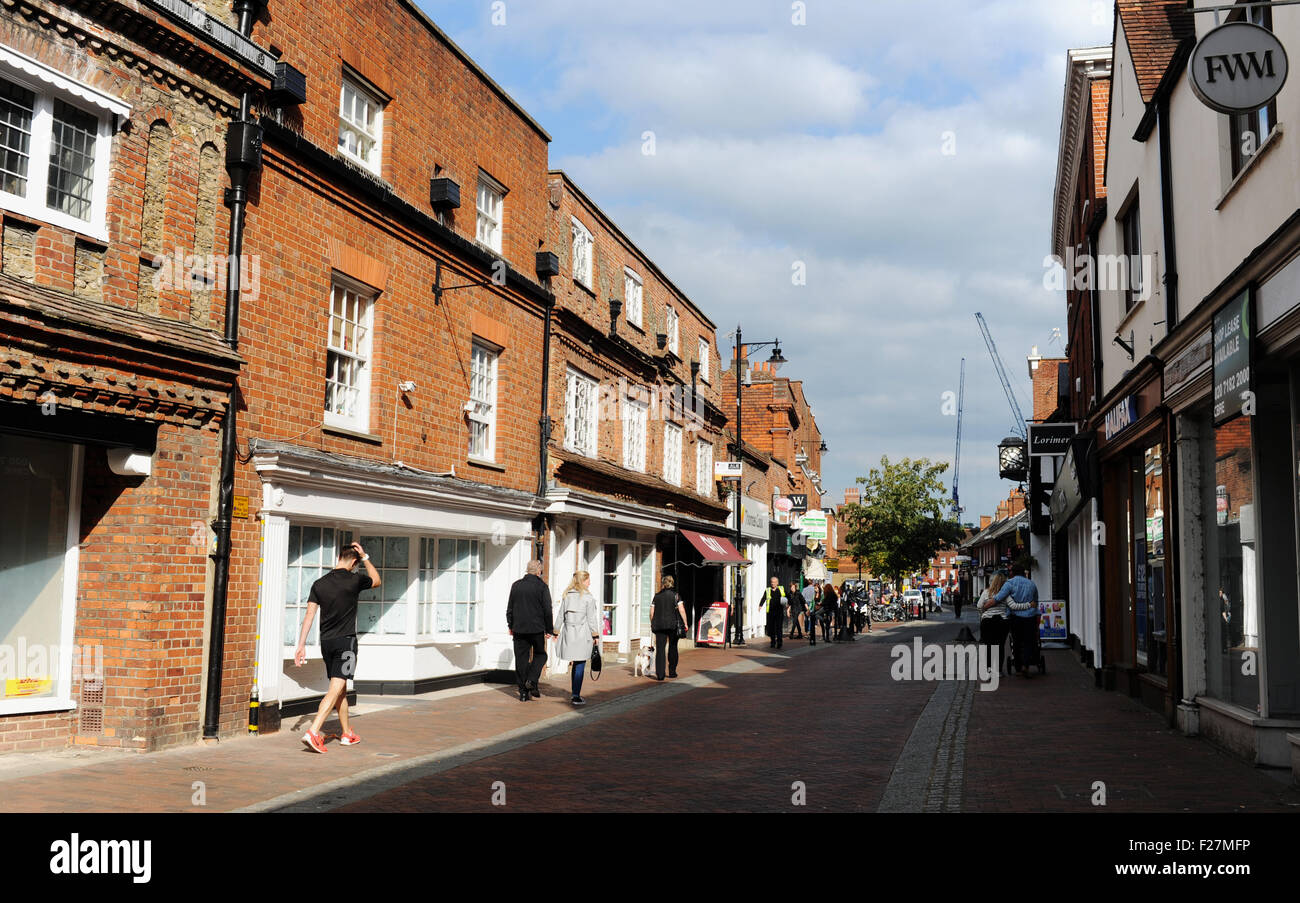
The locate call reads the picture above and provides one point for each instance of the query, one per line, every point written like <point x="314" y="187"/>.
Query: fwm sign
<point x="1238" y="68"/>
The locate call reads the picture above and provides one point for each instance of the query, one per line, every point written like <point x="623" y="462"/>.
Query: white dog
<point x="644" y="662"/>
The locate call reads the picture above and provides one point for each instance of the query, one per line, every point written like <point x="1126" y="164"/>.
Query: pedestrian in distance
<point x="993" y="620"/>
<point x="797" y="607"/>
<point x="773" y="605"/>
<point x="829" y="611"/>
<point x="808" y="599"/>
<point x="667" y="615"/>
<point x="956" y="601"/>
<point x="336" y="596"/>
<point x="531" y="621"/>
<point x="579" y="626"/>
<point x="814" y="611"/>
<point x="1021" y="595"/>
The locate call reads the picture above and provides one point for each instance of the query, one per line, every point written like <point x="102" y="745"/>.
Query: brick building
<point x="634" y="394"/>
<point x="394" y="374"/>
<point x="113" y="380"/>
<point x="385" y="374"/>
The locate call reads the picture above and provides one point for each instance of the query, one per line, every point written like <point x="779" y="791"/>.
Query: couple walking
<point x="1011" y="607"/>
<point x="530" y="619"/>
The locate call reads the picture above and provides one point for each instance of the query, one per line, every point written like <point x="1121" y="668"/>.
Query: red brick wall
<point x="142" y="580"/>
<point x="612" y="252"/>
<point x="1045" y="382"/>
<point x="440" y="113"/>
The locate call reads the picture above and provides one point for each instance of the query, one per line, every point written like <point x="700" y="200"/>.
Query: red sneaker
<point x="314" y="741"/>
<point x="349" y="739"/>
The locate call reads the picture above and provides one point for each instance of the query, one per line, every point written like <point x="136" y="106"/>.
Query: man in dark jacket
<point x="529" y="617"/>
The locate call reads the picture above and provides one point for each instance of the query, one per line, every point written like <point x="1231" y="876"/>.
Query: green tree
<point x="902" y="520"/>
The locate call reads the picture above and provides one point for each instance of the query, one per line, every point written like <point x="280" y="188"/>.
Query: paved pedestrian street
<point x="824" y="729"/>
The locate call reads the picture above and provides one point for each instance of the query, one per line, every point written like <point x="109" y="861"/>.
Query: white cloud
<point x="825" y="144"/>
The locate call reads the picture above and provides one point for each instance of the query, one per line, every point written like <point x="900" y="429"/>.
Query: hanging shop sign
<point x="728" y="470"/>
<point x="1232" y="359"/>
<point x="1238" y="68"/>
<point x="799" y="502"/>
<point x="1050" y="438"/>
<point x="813" y="525"/>
<point x="712" y="627"/>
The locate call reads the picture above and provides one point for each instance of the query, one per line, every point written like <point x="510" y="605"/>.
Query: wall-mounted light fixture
<point x="615" y="308"/>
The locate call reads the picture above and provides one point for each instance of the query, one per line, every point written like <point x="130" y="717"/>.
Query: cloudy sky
<point x="903" y="151"/>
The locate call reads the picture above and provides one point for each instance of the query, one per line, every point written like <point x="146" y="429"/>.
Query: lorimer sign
<point x="1238" y="67"/>
<point x="1050" y="439"/>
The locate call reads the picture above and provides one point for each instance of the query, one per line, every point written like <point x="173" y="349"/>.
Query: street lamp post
<point x="776" y="360"/>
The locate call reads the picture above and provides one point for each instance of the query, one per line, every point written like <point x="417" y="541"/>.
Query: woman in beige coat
<point x="578" y="625"/>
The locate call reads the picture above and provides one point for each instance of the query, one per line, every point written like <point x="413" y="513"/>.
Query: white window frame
<point x="673" y="327"/>
<point x="581" y="236"/>
<point x="703" y="467"/>
<point x="588" y="416"/>
<point x="361" y="421"/>
<point x="673" y="453"/>
<point x="484" y="404"/>
<point x="347" y="124"/>
<point x="49" y="85"/>
<point x="62" y="701"/>
<point x="705" y="354"/>
<point x="633" y="292"/>
<point x="634" y="434"/>
<point x="427" y="602"/>
<point x="496" y="196"/>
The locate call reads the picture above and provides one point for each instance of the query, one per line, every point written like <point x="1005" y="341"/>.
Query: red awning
<point x="715" y="549"/>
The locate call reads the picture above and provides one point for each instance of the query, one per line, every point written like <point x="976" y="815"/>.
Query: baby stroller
<point x="1042" y="659"/>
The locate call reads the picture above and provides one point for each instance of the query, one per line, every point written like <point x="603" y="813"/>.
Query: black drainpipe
<point x="1167" y="218"/>
<point x="243" y="157"/>
<point x="545" y="421"/>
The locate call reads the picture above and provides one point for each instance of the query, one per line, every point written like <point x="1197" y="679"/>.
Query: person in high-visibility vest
<point x="773" y="606"/>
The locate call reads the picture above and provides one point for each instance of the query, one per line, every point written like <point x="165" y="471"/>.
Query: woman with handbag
<point x="995" y="620"/>
<point x="578" y="626"/>
<point x="668" y="621"/>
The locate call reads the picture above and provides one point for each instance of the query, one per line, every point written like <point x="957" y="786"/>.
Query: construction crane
<point x="1002" y="375"/>
<point x="956" y="457"/>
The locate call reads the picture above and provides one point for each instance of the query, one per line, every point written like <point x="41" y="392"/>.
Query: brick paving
<point x="733" y="734"/>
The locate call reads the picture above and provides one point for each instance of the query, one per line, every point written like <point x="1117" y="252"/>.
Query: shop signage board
<point x="1238" y="68"/>
<point x="813" y="525"/>
<point x="1121" y="417"/>
<point x="755" y="521"/>
<point x="712" y="627"/>
<point x="799" y="502"/>
<point x="1050" y="438"/>
<point x="728" y="470"/>
<point x="1188" y="364"/>
<point x="1232" y="358"/>
<point x="1051" y="620"/>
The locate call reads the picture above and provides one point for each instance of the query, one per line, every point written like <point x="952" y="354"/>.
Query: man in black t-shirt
<point x="336" y="595"/>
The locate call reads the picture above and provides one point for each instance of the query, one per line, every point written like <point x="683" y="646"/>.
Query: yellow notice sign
<point x="29" y="686"/>
<point x="241" y="506"/>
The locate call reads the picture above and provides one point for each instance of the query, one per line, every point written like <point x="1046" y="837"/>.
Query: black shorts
<point x="340" y="654"/>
